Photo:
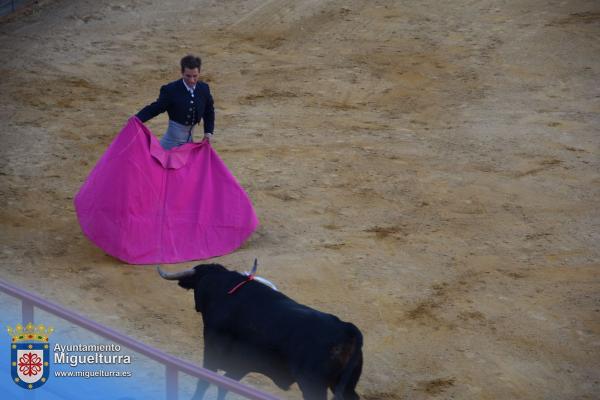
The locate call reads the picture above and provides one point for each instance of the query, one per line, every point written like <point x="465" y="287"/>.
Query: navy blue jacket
<point x="176" y="100"/>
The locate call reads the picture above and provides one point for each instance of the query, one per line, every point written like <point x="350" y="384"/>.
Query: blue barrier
<point x="173" y="365"/>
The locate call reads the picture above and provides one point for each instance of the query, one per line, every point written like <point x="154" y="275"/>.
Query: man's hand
<point x="208" y="136"/>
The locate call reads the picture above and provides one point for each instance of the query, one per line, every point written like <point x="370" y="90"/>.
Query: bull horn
<point x="266" y="282"/>
<point x="254" y="267"/>
<point x="173" y="276"/>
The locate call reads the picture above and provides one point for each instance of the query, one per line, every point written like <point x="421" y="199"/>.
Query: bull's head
<point x="200" y="279"/>
<point x="210" y="282"/>
<point x="187" y="279"/>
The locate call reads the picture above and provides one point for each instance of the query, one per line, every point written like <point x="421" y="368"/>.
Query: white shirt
<point x="190" y="89"/>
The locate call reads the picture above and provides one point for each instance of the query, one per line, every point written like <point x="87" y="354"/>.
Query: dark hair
<point x="190" y="62"/>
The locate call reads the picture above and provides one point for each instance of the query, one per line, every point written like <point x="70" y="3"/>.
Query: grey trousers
<point x="176" y="135"/>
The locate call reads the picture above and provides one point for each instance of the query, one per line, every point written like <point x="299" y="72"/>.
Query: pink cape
<point x="143" y="204"/>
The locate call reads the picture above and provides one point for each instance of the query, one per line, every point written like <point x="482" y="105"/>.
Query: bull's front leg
<point x="201" y="387"/>
<point x="312" y="388"/>
<point x="210" y="362"/>
<point x="232" y="374"/>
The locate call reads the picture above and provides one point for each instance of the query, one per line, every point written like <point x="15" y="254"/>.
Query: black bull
<point x="258" y="329"/>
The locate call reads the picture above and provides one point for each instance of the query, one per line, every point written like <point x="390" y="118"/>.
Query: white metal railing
<point x="172" y="364"/>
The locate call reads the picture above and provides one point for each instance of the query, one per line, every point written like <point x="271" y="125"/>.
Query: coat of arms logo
<point x="30" y="355"/>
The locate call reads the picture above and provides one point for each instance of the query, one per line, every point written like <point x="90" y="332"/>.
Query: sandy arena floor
<point x="427" y="170"/>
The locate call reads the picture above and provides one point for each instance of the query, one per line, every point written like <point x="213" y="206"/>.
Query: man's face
<point x="190" y="76"/>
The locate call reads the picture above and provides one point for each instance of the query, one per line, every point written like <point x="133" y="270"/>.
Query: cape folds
<point x="143" y="204"/>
